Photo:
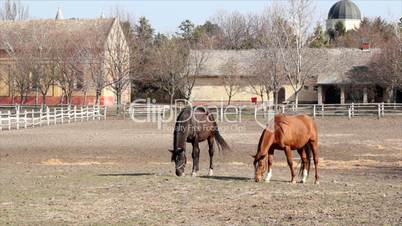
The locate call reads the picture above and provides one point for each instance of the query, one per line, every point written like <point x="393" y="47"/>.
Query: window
<point x="315" y="88"/>
<point x="306" y="87"/>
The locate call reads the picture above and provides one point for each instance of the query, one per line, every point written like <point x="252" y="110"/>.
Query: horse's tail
<point x="222" y="145"/>
<point x="309" y="154"/>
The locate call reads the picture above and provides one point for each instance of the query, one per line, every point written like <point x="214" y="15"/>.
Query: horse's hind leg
<point x="211" y="150"/>
<point x="314" y="147"/>
<point x="304" y="165"/>
<point x="289" y="158"/>
<point x="196" y="158"/>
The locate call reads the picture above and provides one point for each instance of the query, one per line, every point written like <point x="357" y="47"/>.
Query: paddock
<point x="119" y="172"/>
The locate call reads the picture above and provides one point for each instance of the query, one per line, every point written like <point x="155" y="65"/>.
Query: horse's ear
<point x="252" y="156"/>
<point x="171" y="150"/>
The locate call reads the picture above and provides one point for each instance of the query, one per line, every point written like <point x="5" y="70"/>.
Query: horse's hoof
<point x="210" y="172"/>
<point x="267" y="181"/>
<point x="317" y="182"/>
<point x="293" y="182"/>
<point x="193" y="174"/>
<point x="302" y="182"/>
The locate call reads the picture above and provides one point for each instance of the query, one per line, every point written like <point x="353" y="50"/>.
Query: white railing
<point x="19" y="117"/>
<point x="350" y="110"/>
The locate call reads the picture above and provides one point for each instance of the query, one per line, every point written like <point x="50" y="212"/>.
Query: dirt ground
<point x="119" y="172"/>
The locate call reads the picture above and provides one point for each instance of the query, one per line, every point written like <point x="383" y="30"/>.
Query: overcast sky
<point x="166" y="15"/>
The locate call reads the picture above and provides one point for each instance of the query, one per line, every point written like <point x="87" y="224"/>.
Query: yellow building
<point x="329" y="77"/>
<point x="87" y="37"/>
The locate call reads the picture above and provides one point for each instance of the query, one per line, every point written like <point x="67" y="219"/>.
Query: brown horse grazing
<point x="194" y="126"/>
<point x="289" y="133"/>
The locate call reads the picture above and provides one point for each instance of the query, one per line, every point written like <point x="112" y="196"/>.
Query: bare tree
<point x="385" y="69"/>
<point x="13" y="10"/>
<point x="192" y="66"/>
<point x="231" y="78"/>
<point x="292" y="36"/>
<point x="44" y="66"/>
<point x="118" y="63"/>
<point x="69" y="65"/>
<point x="267" y="74"/>
<point x="169" y="57"/>
<point x="20" y="53"/>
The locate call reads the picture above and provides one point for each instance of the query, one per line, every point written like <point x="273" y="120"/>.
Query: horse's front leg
<point x="196" y="158"/>
<point x="289" y="158"/>
<point x="211" y="151"/>
<point x="270" y="161"/>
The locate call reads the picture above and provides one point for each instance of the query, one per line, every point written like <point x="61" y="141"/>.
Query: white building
<point x="344" y="11"/>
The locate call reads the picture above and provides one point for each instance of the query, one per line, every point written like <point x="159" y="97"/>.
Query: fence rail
<point x="350" y="110"/>
<point x="29" y="117"/>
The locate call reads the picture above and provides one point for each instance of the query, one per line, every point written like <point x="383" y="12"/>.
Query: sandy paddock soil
<point x="119" y="172"/>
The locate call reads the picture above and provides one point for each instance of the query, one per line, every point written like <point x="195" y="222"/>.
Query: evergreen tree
<point x="319" y="39"/>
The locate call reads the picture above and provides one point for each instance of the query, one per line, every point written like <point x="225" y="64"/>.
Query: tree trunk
<point x="118" y="101"/>
<point x="262" y="97"/>
<point x="171" y="99"/>
<point x="297" y="99"/>
<point x="85" y="97"/>
<point x="69" y="98"/>
<point x="230" y="98"/>
<point x="389" y="94"/>
<point x="44" y="99"/>
<point x="97" y="95"/>
<point x="21" y="98"/>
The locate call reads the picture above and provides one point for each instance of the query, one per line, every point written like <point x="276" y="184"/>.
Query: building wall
<point x="108" y="97"/>
<point x="349" y="23"/>
<point x="213" y="90"/>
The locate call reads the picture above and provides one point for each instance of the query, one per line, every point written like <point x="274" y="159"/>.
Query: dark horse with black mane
<point x="288" y="133"/>
<point x="195" y="126"/>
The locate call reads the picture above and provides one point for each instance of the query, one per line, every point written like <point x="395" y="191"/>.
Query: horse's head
<point x="260" y="159"/>
<point x="180" y="160"/>
<point x="260" y="167"/>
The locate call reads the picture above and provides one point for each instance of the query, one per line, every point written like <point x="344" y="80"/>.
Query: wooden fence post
<point x="33" y="118"/>
<point x="69" y="113"/>
<point x="9" y="119"/>
<point x="48" y="115"/>
<point x="322" y="110"/>
<point x="1" y="121"/>
<point x="283" y="109"/>
<point x="93" y="112"/>
<point x="104" y="112"/>
<point x="314" y="111"/>
<point x="353" y="110"/>
<point x="55" y="115"/>
<point x="383" y="109"/>
<point x="222" y="113"/>
<point x="379" y="111"/>
<point x="349" y="113"/>
<point x="62" y="115"/>
<point x="17" y="116"/>
<point x="81" y="114"/>
<point x="99" y="112"/>
<point x="25" y="119"/>
<point x="75" y="113"/>
<point x="87" y="112"/>
<point x="40" y="117"/>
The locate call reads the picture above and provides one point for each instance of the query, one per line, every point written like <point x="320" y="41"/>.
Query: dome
<point x="344" y="9"/>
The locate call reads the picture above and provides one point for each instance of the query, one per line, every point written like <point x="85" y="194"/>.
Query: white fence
<point x="18" y="117"/>
<point x="352" y="110"/>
